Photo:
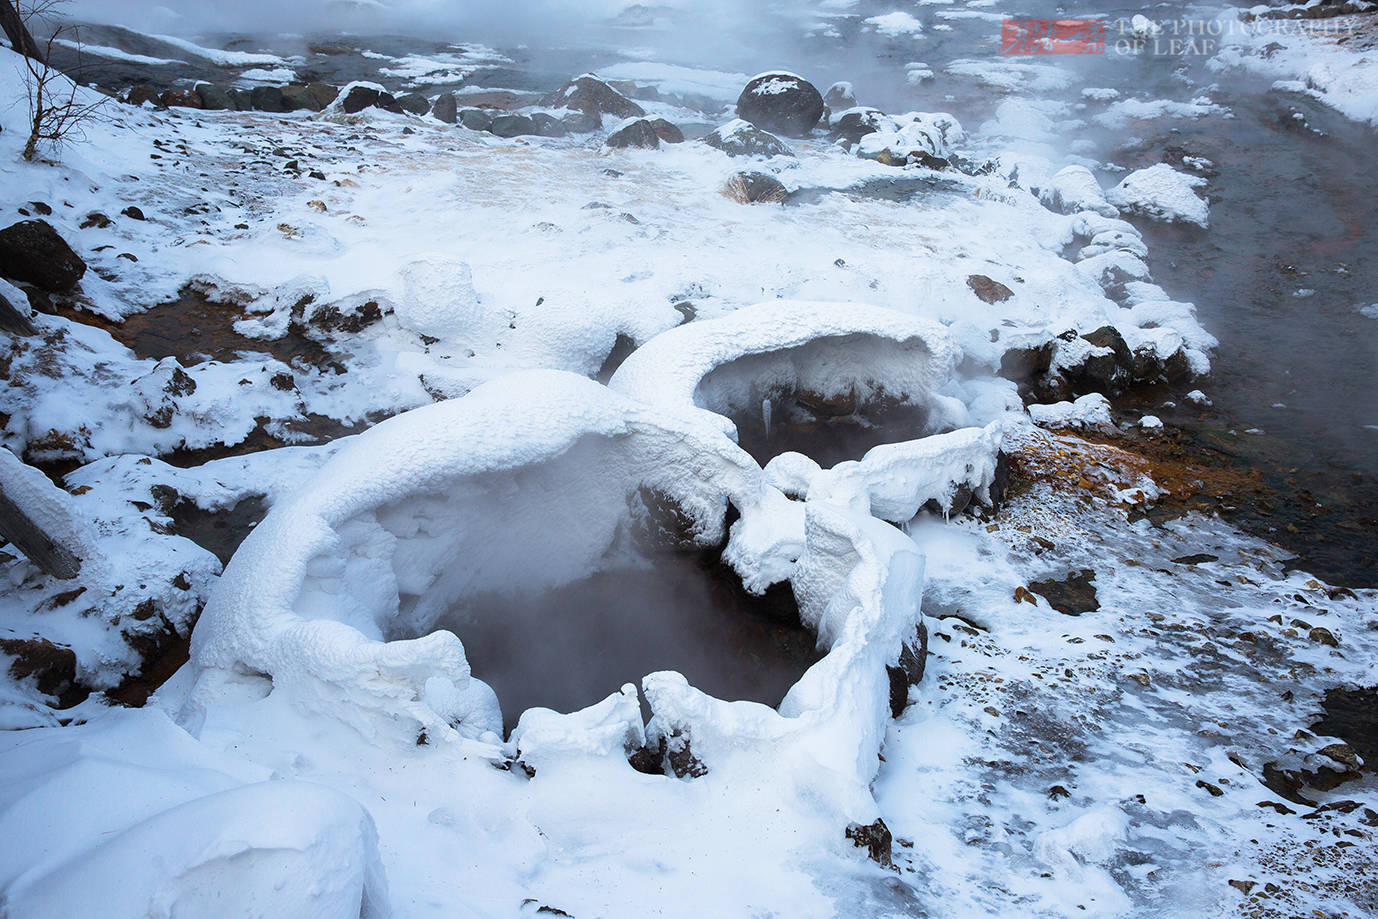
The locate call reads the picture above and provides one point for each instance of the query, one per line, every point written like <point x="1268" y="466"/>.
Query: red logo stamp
<point x="1052" y="36"/>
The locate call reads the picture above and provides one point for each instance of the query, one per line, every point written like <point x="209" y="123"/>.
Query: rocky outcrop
<point x="446" y="108"/>
<point x="592" y="96"/>
<point x="741" y="138"/>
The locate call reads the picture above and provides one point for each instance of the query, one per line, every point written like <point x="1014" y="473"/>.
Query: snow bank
<point x="129" y="817"/>
<point x="1162" y="193"/>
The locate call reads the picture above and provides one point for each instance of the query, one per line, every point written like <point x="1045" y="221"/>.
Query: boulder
<point x="214" y="98"/>
<point x="839" y="97"/>
<point x="782" y="103"/>
<point x="31" y="251"/>
<point x="513" y="126"/>
<point x="668" y="132"/>
<point x="476" y="119"/>
<point x="359" y="98"/>
<point x="590" y="95"/>
<point x="243" y="101"/>
<point x="413" y="104"/>
<point x="298" y="97"/>
<point x="755" y="188"/>
<point x="323" y="93"/>
<point x="579" y="122"/>
<point x="548" y="125"/>
<point x="267" y="99"/>
<point x="142" y="93"/>
<point x="446" y="108"/>
<point x="638" y="133"/>
<point x="741" y="138"/>
<point x="14" y="317"/>
<point x="181" y="98"/>
<point x="855" y="123"/>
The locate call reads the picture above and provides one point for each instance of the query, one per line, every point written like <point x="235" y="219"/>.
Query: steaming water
<point x="572" y="646"/>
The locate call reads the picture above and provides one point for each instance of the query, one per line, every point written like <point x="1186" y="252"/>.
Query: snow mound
<point x="1091" y="410"/>
<point x="932" y="133"/>
<point x="1073" y="189"/>
<point x="1162" y="193"/>
<point x="731" y="365"/>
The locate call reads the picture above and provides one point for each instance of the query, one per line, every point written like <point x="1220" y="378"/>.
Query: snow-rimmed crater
<point x="829" y="380"/>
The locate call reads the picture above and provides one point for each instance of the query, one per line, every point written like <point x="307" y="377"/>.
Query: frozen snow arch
<point x="529" y="480"/>
<point x="826" y="379"/>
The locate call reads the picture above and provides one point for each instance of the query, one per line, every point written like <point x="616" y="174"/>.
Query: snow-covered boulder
<point x="1073" y="189"/>
<point x="915" y="137"/>
<point x="742" y="138"/>
<point x="1162" y="193"/>
<point x="781" y="102"/>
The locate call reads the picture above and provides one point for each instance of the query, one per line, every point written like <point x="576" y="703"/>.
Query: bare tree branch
<point x="56" y="108"/>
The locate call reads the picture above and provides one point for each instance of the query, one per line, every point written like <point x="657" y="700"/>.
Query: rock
<point x="583" y="122"/>
<point x="359" y="98"/>
<point x="1072" y="596"/>
<point x="1104" y="373"/>
<point x="839" y="97"/>
<point x="243" y="101"/>
<point x="214" y="98"/>
<point x="140" y="94"/>
<point x="53" y="668"/>
<point x="1324" y="636"/>
<point x="298" y="98"/>
<point x="446" y="108"/>
<point x="95" y="219"/>
<point x="781" y="103"/>
<point x="513" y="126"/>
<point x="590" y="95"/>
<point x="855" y="123"/>
<point x="638" y="133"/>
<point x="31" y="251"/>
<point x="267" y="99"/>
<point x="548" y="125"/>
<point x="755" y="188"/>
<point x="133" y="213"/>
<point x="1023" y="364"/>
<point x="413" y="104"/>
<point x="180" y="98"/>
<point x="323" y="93"/>
<point x="476" y="119"/>
<point x="875" y="838"/>
<point x="14" y="318"/>
<point x="988" y="290"/>
<point x="741" y="138"/>
<point x="668" y="132"/>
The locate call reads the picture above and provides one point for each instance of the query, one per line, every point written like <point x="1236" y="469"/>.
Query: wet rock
<point x="548" y="125"/>
<point x="513" y="126"/>
<point x="875" y="838"/>
<point x="413" y="104"/>
<point x="1323" y="636"/>
<point x="1352" y="716"/>
<point x="140" y="94"/>
<point x="592" y="96"/>
<point x="1073" y="595"/>
<point x="988" y="290"/>
<point x="52" y="667"/>
<point x="755" y="188"/>
<point x="638" y="133"/>
<point x="741" y="138"/>
<point x="667" y="131"/>
<point x="782" y="103"/>
<point x="214" y="98"/>
<point x="180" y="98"/>
<point x="1024" y="364"/>
<point x="1109" y="372"/>
<point x="267" y="99"/>
<point x="476" y="119"/>
<point x="32" y="251"/>
<point x="1198" y="558"/>
<point x="577" y="122"/>
<point x="446" y="108"/>
<point x="133" y="213"/>
<point x="839" y="97"/>
<point x="855" y="123"/>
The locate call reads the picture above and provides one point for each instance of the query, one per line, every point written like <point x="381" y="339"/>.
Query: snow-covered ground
<point x="323" y="752"/>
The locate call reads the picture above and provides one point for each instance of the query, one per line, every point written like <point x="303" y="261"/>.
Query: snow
<point x="1123" y="113"/>
<point x="1091" y="410"/>
<point x="1327" y="59"/>
<point x="898" y="24"/>
<point x="675" y="79"/>
<point x="113" y="54"/>
<point x="222" y="58"/>
<point x="1162" y="193"/>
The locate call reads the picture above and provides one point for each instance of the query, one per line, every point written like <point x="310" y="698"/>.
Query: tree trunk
<point x="26" y="536"/>
<point x="18" y="33"/>
<point x="38" y="519"/>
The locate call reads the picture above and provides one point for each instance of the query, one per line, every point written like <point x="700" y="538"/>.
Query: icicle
<point x="765" y="415"/>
